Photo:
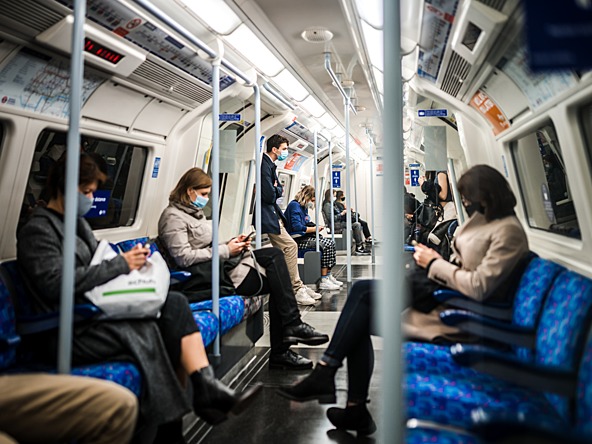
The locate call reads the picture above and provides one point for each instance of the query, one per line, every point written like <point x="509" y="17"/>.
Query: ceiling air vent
<point x="498" y="5"/>
<point x="32" y="16"/>
<point x="456" y="73"/>
<point x="170" y="83"/>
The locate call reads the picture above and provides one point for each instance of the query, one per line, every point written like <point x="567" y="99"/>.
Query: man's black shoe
<point x="289" y="361"/>
<point x="304" y="334"/>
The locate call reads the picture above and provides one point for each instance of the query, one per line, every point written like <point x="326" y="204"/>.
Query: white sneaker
<point x="313" y="294"/>
<point x="335" y="281"/>
<point x="303" y="298"/>
<point x="327" y="284"/>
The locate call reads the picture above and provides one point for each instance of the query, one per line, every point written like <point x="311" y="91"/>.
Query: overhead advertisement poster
<point x="438" y="16"/>
<point x="488" y="109"/>
<point x="538" y="88"/>
<point x="35" y="82"/>
<point x="124" y="22"/>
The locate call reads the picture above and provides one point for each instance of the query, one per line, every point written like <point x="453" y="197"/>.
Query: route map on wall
<point x="37" y="83"/>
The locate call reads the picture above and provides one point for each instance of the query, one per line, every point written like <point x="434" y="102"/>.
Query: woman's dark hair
<point x="327" y="195"/>
<point x="194" y="178"/>
<point x="485" y="185"/>
<point x="89" y="172"/>
<point x="339" y="194"/>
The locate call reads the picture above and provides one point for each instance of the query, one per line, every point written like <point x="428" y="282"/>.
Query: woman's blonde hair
<point x="305" y="195"/>
<point x="196" y="179"/>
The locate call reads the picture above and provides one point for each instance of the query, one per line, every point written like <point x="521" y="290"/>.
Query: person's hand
<point x="235" y="246"/>
<point x="136" y="257"/>
<point x="321" y="228"/>
<point x="424" y="255"/>
<point x="343" y="212"/>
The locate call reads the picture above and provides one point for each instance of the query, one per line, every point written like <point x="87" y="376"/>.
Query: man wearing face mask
<point x="273" y="221"/>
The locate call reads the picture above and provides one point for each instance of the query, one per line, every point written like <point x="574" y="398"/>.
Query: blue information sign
<point x="414" y="177"/>
<point x="225" y="117"/>
<point x="100" y="204"/>
<point x="336" y="179"/>
<point x="432" y="113"/>
<point x="156" y="167"/>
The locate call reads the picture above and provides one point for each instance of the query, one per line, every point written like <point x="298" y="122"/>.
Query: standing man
<point x="272" y="219"/>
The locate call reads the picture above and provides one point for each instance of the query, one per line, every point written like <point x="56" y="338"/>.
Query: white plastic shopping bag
<point x="138" y="294"/>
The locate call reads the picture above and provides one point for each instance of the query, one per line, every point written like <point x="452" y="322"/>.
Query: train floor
<point x="273" y="419"/>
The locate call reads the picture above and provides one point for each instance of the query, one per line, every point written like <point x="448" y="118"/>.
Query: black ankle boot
<point x="354" y="417"/>
<point x="212" y="400"/>
<point x="320" y="385"/>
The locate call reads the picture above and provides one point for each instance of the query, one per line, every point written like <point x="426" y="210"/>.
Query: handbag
<point x="421" y="288"/>
<point x="138" y="294"/>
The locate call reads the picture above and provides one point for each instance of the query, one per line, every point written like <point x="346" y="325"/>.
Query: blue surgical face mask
<point x="84" y="204"/>
<point x="283" y="155"/>
<point x="200" y="201"/>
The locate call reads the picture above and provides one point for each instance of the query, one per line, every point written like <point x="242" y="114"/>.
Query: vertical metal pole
<point x="348" y="231"/>
<point x="316" y="186"/>
<point x="372" y="199"/>
<point x="215" y="160"/>
<point x="453" y="184"/>
<point x="258" y="149"/>
<point x="356" y="191"/>
<point x="71" y="190"/>
<point x="247" y="196"/>
<point x="332" y="220"/>
<point x="389" y="308"/>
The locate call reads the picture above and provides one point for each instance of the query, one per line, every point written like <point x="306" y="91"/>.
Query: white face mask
<point x="310" y="205"/>
<point x="84" y="204"/>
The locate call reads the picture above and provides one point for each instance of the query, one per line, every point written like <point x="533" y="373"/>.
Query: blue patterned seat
<point x="561" y="332"/>
<point x="123" y="373"/>
<point x="208" y="325"/>
<point x="231" y="311"/>
<point x="532" y="290"/>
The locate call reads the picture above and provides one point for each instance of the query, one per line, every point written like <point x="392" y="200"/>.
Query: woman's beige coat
<point x="485" y="254"/>
<point x="187" y="235"/>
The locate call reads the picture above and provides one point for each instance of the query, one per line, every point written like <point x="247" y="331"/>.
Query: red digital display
<point x="101" y="51"/>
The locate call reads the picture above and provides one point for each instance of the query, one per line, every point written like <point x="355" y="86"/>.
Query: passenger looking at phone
<point x="340" y="204"/>
<point x="273" y="222"/>
<point x="167" y="350"/>
<point x="300" y="225"/>
<point x="330" y="210"/>
<point x="187" y="235"/>
<point x="489" y="248"/>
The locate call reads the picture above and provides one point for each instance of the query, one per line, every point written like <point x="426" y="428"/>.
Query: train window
<point x="116" y="202"/>
<point x="545" y="189"/>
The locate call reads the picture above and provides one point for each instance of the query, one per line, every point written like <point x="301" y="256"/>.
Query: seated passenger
<point x="340" y="222"/>
<point x="299" y="224"/>
<point x="488" y="247"/>
<point x="187" y="235"/>
<point x="162" y="348"/>
<point x="39" y="408"/>
<point x="340" y="204"/>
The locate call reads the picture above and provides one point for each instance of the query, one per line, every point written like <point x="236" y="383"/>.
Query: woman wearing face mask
<point x="491" y="248"/>
<point x="303" y="230"/>
<point x="187" y="236"/>
<point x="340" y="204"/>
<point x="167" y="350"/>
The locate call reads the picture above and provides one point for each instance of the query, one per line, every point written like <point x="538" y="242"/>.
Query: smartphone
<point x="250" y="236"/>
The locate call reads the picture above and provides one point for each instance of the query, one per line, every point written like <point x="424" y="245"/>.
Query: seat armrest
<point x="512" y="369"/>
<point x="179" y="276"/>
<point x="498" y="426"/>
<point x="31" y="324"/>
<point x="502" y="311"/>
<point x="488" y="328"/>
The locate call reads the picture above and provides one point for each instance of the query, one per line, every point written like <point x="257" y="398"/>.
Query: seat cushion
<point x="421" y="435"/>
<point x="123" y="373"/>
<point x="232" y="309"/>
<point x="208" y="326"/>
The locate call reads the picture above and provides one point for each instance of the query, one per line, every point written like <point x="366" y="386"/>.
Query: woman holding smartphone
<point x="187" y="236"/>
<point x="303" y="231"/>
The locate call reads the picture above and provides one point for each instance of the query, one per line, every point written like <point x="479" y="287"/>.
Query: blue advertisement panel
<point x="100" y="204"/>
<point x="559" y="34"/>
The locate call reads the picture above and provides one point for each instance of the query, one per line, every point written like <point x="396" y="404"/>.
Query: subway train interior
<point x="377" y="100"/>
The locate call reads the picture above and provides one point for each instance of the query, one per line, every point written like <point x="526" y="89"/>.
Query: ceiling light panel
<point x="247" y="43"/>
<point x="311" y="105"/>
<point x="327" y="121"/>
<point x="371" y="11"/>
<point x="214" y="13"/>
<point x="374" y="45"/>
<point x="290" y="85"/>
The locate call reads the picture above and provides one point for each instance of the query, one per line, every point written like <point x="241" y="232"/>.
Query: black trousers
<point x="283" y="310"/>
<point x="365" y="228"/>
